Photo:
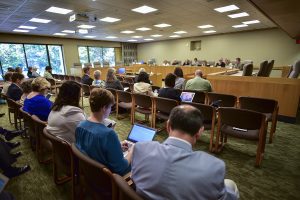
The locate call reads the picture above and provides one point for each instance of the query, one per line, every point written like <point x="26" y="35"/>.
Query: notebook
<point x="139" y="133"/>
<point x="187" y="96"/>
<point x="3" y="182"/>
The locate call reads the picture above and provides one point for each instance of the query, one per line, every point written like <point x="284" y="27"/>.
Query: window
<point x="109" y="56"/>
<point x="83" y="54"/>
<point x="56" y="59"/>
<point x="97" y="54"/>
<point x="37" y="57"/>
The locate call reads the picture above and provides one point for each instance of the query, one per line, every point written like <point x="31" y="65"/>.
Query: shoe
<point x="2" y="114"/>
<point x="13" y="144"/>
<point x="16" y="155"/>
<point x="16" y="171"/>
<point x="12" y="134"/>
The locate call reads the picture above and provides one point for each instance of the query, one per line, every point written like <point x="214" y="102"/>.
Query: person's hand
<point x="124" y="145"/>
<point x="129" y="155"/>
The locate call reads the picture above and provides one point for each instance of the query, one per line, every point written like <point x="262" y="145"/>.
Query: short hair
<point x="18" y="69"/>
<point x="7" y="76"/>
<point x="40" y="84"/>
<point x="142" y="70"/>
<point x="16" y="76"/>
<point x="178" y="72"/>
<point x="30" y="68"/>
<point x="47" y="68"/>
<point x="239" y="59"/>
<point x="69" y="95"/>
<point x="26" y="86"/>
<point x="97" y="74"/>
<point x="170" y="80"/>
<point x="110" y="76"/>
<point x="198" y="72"/>
<point x="10" y="69"/>
<point x="186" y="118"/>
<point x="86" y="69"/>
<point x="143" y="77"/>
<point x="100" y="98"/>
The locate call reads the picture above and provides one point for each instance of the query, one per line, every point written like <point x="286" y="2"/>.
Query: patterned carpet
<point x="278" y="178"/>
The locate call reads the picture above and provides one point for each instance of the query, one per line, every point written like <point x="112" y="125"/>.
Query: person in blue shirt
<point x="36" y="103"/>
<point x="98" y="141"/>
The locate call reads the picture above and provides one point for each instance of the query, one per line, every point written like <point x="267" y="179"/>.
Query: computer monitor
<point x="121" y="70"/>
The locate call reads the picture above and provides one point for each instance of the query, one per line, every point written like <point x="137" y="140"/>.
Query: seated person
<point x="196" y="62"/>
<point x="166" y="63"/>
<point x="168" y="91"/>
<point x="112" y="81"/>
<point x="34" y="72"/>
<point x="97" y="81"/>
<point x="66" y="113"/>
<point x="19" y="70"/>
<point x="143" y="86"/>
<point x="179" y="82"/>
<point x="220" y="63"/>
<point x="136" y="77"/>
<point x="97" y="140"/>
<point x="7" y="82"/>
<point x="26" y="87"/>
<point x="228" y="63"/>
<point x="36" y="103"/>
<point x="48" y="72"/>
<point x="172" y="170"/>
<point x="29" y="73"/>
<point x="187" y="62"/>
<point x="238" y="64"/>
<point x="14" y="91"/>
<point x="198" y="83"/>
<point x="86" y="79"/>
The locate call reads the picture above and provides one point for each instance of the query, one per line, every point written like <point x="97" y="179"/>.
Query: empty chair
<point x="66" y="77"/>
<point x="28" y="127"/>
<point x="123" y="101"/>
<point x="90" y="178"/>
<point x="263" y="68"/>
<point x="72" y="78"/>
<point x="221" y="100"/>
<point x="78" y="79"/>
<point x="295" y="70"/>
<point x="105" y="64"/>
<point x="199" y="96"/>
<point x="85" y="92"/>
<point x="61" y="156"/>
<point x="14" y="107"/>
<point x="247" y="69"/>
<point x="269" y="68"/>
<point x="244" y="124"/>
<point x="122" y="190"/>
<point x="269" y="107"/>
<point x="142" y="104"/>
<point x="53" y="84"/>
<point x="97" y="64"/>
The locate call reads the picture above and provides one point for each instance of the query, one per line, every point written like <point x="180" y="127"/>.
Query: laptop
<point x="139" y="133"/>
<point x="3" y="182"/>
<point x="187" y="96"/>
<point x="122" y="70"/>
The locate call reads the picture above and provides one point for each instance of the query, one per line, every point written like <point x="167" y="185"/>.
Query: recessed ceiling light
<point x="83" y="31"/>
<point x="68" y="31"/>
<point x="163" y="25"/>
<point x="131" y="40"/>
<point x="28" y="27"/>
<point x="85" y="26"/>
<point x="137" y="36"/>
<point x="174" y="36"/>
<point x="240" y="26"/>
<point x="143" y="29"/>
<point x="252" y="22"/>
<point x="211" y="31"/>
<point x="109" y="19"/>
<point x="148" y="39"/>
<point x="127" y="32"/>
<point x="242" y="14"/>
<point x="206" y="26"/>
<point x="58" y="10"/>
<point x="22" y="31"/>
<point x="61" y="34"/>
<point x="180" y="32"/>
<point x="111" y="37"/>
<point x="38" y="20"/>
<point x="144" y="9"/>
<point x="226" y="8"/>
<point x="90" y="36"/>
<point x="156" y="35"/>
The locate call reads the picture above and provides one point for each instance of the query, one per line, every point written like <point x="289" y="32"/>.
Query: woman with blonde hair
<point x="112" y="81"/>
<point x="36" y="103"/>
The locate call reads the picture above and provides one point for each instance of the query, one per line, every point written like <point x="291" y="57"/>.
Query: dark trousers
<point x="5" y="158"/>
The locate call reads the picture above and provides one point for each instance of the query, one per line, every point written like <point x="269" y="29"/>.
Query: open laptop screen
<point x="187" y="96"/>
<point x="121" y="70"/>
<point x="140" y="133"/>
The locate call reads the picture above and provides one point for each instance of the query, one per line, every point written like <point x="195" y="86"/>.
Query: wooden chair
<point x="142" y="104"/>
<point x="209" y="120"/>
<point x="53" y="84"/>
<point x="61" y="156"/>
<point x="28" y="127"/>
<point x="72" y="78"/>
<point x="162" y="108"/>
<point x="10" y="109"/>
<point x="85" y="92"/>
<point x="66" y="77"/>
<point x="122" y="190"/>
<point x="123" y="100"/>
<point x="225" y="100"/>
<point x="269" y="107"/>
<point x="60" y="77"/>
<point x="199" y="96"/>
<point x="43" y="145"/>
<point x="78" y="79"/>
<point x="14" y="108"/>
<point x="90" y="178"/>
<point x="244" y="124"/>
<point x="55" y="76"/>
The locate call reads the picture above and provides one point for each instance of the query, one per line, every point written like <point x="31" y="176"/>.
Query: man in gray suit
<point x="172" y="170"/>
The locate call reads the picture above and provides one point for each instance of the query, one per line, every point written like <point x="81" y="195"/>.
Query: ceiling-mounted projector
<point x="83" y="17"/>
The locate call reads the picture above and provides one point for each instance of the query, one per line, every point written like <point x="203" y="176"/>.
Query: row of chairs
<point x="67" y="77"/>
<point x="265" y="69"/>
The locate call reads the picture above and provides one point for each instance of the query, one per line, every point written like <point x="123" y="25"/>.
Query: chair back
<point x="78" y="79"/>
<point x="51" y="81"/>
<point x="295" y="70"/>
<point x="60" y="77"/>
<point x="124" y="96"/>
<point x="85" y="89"/>
<point x="258" y="104"/>
<point x="97" y="64"/>
<point x="164" y="105"/>
<point x="66" y="77"/>
<point x="113" y="91"/>
<point x="72" y="78"/>
<point x="15" y="107"/>
<point x="227" y="100"/>
<point x="199" y="96"/>
<point x="142" y="100"/>
<point x="28" y="123"/>
<point x="91" y="175"/>
<point x="263" y="68"/>
<point x="247" y="69"/>
<point x="123" y="190"/>
<point x="129" y="80"/>
<point x="55" y="76"/>
<point x="269" y="68"/>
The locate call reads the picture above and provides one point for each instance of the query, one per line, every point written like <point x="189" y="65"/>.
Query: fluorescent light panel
<point x="156" y="35"/>
<point x="109" y="19"/>
<point x="143" y="29"/>
<point x="252" y="22"/>
<point x="148" y="39"/>
<point x="210" y="31"/>
<point x="180" y="32"/>
<point x="28" y="27"/>
<point x="90" y="36"/>
<point x="68" y="31"/>
<point x="240" y="26"/>
<point x="61" y="34"/>
<point x="174" y="36"/>
<point x="38" y="20"/>
<point x="85" y="26"/>
<point x="111" y="37"/>
<point x="163" y="25"/>
<point x="58" y="10"/>
<point x="137" y="36"/>
<point x="237" y="15"/>
<point x="83" y="31"/>
<point x="144" y="9"/>
<point x="131" y="40"/>
<point x="20" y="30"/>
<point x="226" y="8"/>
<point x="205" y="26"/>
<point x="127" y="32"/>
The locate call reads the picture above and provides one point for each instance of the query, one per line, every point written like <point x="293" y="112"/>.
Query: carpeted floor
<point x="278" y="178"/>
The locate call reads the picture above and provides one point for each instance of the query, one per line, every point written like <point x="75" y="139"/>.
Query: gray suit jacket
<point x="172" y="170"/>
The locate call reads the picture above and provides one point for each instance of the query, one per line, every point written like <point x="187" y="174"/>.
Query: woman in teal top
<point x="98" y="141"/>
